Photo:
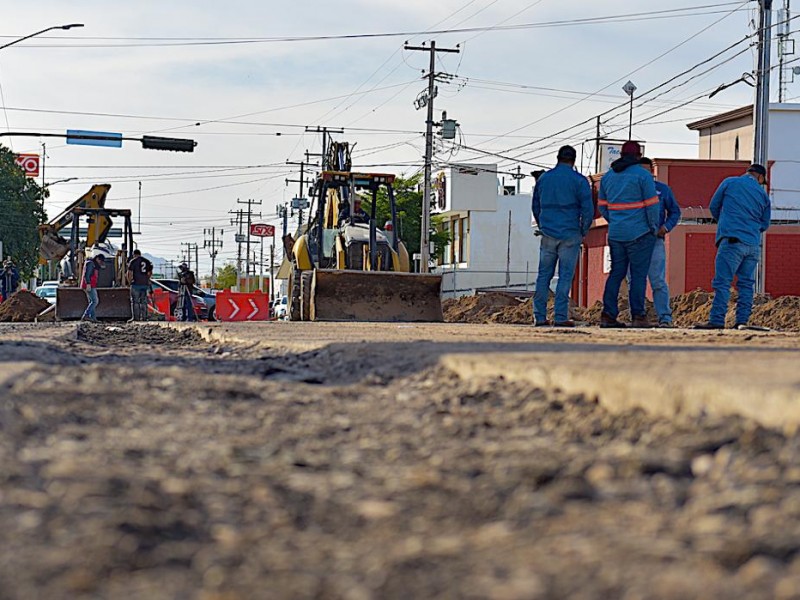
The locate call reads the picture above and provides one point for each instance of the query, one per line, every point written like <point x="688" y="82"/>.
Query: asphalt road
<point x="302" y="460"/>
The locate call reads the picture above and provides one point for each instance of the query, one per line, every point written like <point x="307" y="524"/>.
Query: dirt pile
<point x="21" y="307"/>
<point x="687" y="309"/>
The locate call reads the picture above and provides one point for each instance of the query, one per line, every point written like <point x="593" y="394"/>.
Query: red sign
<point x="239" y="306"/>
<point x="29" y="163"/>
<point x="262" y="230"/>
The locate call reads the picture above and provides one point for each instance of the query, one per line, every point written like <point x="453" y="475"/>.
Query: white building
<point x="730" y="136"/>
<point x="493" y="245"/>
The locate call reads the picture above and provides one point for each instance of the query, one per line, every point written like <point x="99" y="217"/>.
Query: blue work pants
<point x="739" y="260"/>
<point x="634" y="255"/>
<point x="565" y="253"/>
<point x="93" y="301"/>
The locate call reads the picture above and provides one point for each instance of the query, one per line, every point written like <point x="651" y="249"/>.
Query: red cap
<point x="388" y="226"/>
<point x="631" y="147"/>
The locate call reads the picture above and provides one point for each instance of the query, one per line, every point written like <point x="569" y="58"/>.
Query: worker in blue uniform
<point x="669" y="213"/>
<point x="741" y="208"/>
<point x="629" y="202"/>
<point x="563" y="209"/>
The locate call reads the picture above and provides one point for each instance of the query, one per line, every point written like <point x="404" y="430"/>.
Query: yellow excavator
<point x="346" y="268"/>
<point x="71" y="253"/>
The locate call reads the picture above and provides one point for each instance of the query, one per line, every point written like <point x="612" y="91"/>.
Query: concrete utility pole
<point x="424" y="245"/>
<point x="761" y="108"/>
<point x="302" y="191"/>
<point x="785" y="47"/>
<point x="325" y="131"/>
<point x="237" y="222"/>
<point x="212" y="244"/>
<point x="249" y="202"/>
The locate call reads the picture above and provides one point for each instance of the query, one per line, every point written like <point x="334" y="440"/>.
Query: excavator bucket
<point x="375" y="296"/>
<point x="114" y="303"/>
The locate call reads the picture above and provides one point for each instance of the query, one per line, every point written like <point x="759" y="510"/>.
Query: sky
<point x="243" y="80"/>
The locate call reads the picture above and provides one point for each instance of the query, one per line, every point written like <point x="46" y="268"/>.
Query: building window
<point x="456" y="223"/>
<point x="736" y="149"/>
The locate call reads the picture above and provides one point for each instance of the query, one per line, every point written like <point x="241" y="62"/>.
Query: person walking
<point x="741" y="208"/>
<point x="140" y="270"/>
<point x="563" y="209"/>
<point x="91" y="273"/>
<point x="629" y="202"/>
<point x="669" y="213"/>
<point x="9" y="279"/>
<point x="187" y="282"/>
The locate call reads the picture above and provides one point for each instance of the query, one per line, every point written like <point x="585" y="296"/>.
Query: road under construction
<point x="397" y="460"/>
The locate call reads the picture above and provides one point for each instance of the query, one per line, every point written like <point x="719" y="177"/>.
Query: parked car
<point x="200" y="307"/>
<point x="51" y="283"/>
<point x="209" y="298"/>
<point x="47" y="292"/>
<point x="281" y="307"/>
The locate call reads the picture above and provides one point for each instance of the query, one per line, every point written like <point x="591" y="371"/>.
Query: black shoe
<point x="708" y="326"/>
<point x="666" y="325"/>
<point x="609" y="322"/>
<point x="566" y="323"/>
<point x="542" y="324"/>
<point x="642" y="322"/>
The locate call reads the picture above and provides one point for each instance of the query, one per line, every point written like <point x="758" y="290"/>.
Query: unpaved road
<point x="144" y="462"/>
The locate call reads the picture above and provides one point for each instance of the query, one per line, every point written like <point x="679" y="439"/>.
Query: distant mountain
<point x="162" y="268"/>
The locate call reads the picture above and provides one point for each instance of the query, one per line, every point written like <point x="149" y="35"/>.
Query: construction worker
<point x="91" y="273"/>
<point x="185" y="304"/>
<point x="563" y="209"/>
<point x="356" y="215"/>
<point x="9" y="279"/>
<point x="741" y="208"/>
<point x="669" y="213"/>
<point x="629" y="202"/>
<point x="140" y="270"/>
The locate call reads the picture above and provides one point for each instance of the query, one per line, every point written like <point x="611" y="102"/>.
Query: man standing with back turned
<point x="742" y="210"/>
<point x="629" y="202"/>
<point x="563" y="209"/>
<point x="140" y="270"/>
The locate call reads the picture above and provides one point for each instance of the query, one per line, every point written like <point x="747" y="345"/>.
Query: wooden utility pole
<point x="249" y="202"/>
<point x="424" y="246"/>
<point x="212" y="244"/>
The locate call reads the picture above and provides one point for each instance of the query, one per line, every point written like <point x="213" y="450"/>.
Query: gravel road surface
<point x="144" y="462"/>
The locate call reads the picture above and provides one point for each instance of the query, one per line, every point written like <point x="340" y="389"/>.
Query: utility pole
<point x="237" y="222"/>
<point x="283" y="213"/>
<point x="785" y="47"/>
<point x="761" y="107"/>
<point x="249" y="202"/>
<point x="302" y="181"/>
<point x="325" y="131"/>
<point x="424" y="246"/>
<point x="212" y="246"/>
<point x="518" y="177"/>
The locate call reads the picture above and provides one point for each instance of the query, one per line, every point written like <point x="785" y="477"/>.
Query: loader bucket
<point x="375" y="296"/>
<point x="114" y="303"/>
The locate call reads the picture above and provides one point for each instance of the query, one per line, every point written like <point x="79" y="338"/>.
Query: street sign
<point x="29" y="163"/>
<point x="240" y="238"/>
<point x="299" y="203"/>
<point x="262" y="230"/>
<point x="94" y="138"/>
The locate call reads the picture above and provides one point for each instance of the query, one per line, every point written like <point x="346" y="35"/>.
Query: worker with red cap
<point x="628" y="200"/>
<point x="741" y="208"/>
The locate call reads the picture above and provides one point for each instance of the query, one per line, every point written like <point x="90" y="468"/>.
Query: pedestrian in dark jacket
<point x="563" y="209"/>
<point x="741" y="208"/>
<point x="140" y="270"/>
<point x="187" y="282"/>
<point x="91" y="273"/>
<point x="629" y="202"/>
<point x="9" y="279"/>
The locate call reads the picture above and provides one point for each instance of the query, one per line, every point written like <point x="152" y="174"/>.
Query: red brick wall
<point x="699" y="260"/>
<point x="783" y="264"/>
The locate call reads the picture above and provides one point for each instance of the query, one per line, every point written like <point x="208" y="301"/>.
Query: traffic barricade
<point x="242" y="306"/>
<point x="162" y="305"/>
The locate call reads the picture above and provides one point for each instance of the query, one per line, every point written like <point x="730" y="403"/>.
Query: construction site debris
<point x="21" y="307"/>
<point x="687" y="309"/>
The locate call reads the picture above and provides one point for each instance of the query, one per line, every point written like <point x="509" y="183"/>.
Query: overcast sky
<point x="159" y="68"/>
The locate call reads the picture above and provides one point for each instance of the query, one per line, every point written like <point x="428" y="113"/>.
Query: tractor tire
<point x="294" y="308"/>
<point x="306" y="279"/>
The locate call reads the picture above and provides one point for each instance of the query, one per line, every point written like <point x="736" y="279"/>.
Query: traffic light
<point x="152" y="142"/>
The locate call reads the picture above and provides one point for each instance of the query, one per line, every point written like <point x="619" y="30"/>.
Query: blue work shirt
<point x="629" y="202"/>
<point x="741" y="208"/>
<point x="669" y="211"/>
<point x="562" y="203"/>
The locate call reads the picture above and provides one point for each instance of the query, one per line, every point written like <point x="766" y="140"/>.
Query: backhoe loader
<point x="345" y="268"/>
<point x="72" y="252"/>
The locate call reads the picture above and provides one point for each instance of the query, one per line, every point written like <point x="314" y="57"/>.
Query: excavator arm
<point x="55" y="247"/>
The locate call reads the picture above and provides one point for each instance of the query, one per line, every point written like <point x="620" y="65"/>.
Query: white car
<point x="49" y="284"/>
<point x="47" y="292"/>
<point x="281" y="308"/>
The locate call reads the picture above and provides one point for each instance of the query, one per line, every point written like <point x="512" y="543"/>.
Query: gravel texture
<point x="141" y="462"/>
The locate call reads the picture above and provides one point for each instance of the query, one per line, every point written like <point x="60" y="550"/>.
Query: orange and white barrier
<point x="241" y="306"/>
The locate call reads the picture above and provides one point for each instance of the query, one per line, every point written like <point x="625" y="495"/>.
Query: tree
<point x="226" y="277"/>
<point x="22" y="210"/>
<point x="408" y="200"/>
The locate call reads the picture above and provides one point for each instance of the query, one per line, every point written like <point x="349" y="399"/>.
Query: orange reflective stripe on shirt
<point x="634" y="205"/>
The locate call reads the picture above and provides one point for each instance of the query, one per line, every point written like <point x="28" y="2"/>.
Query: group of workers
<point x="641" y="212"/>
<point x="139" y="273"/>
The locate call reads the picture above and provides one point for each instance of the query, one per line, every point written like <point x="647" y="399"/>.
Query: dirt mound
<point x="21" y="307"/>
<point x="99" y="334"/>
<point x="477" y="309"/>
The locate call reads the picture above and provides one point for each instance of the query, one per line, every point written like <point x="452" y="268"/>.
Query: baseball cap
<point x="757" y="169"/>
<point x="102" y="259"/>
<point x="631" y="147"/>
<point x="567" y="153"/>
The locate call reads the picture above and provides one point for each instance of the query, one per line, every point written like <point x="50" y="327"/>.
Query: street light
<point x="27" y="37"/>
<point x="59" y="181"/>
<point x="629" y="88"/>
